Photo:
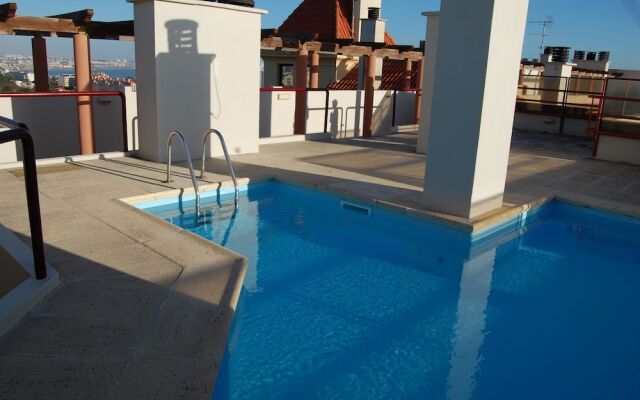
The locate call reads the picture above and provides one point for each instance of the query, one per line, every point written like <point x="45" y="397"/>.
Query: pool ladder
<point x="194" y="180"/>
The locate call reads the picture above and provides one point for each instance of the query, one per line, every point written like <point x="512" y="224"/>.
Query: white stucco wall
<point x="619" y="149"/>
<point x="277" y="111"/>
<point x="429" y="77"/>
<point x="53" y="123"/>
<point x="198" y="67"/>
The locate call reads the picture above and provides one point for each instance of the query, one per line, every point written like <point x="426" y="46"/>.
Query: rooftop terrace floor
<point x="143" y="308"/>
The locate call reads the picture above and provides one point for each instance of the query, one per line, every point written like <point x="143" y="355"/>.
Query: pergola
<point x="303" y="46"/>
<point x="79" y="26"/>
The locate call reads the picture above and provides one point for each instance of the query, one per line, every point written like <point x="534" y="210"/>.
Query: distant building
<point x="66" y="81"/>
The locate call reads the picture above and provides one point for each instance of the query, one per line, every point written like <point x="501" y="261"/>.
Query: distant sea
<point x="114" y="73"/>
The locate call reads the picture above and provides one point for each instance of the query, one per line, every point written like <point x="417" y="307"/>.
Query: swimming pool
<point x="345" y="300"/>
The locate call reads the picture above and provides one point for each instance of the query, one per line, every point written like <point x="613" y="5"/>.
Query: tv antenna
<point x="545" y="25"/>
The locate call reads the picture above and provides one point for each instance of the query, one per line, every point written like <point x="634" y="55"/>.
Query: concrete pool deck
<point x="143" y="308"/>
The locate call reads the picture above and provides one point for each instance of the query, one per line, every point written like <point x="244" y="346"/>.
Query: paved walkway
<point x="144" y="308"/>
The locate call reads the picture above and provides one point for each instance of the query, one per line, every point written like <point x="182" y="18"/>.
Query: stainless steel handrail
<point x="180" y="135"/>
<point x="205" y="136"/>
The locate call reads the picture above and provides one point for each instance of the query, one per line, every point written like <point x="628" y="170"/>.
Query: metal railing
<point x="559" y="96"/>
<point x="19" y="131"/>
<point x="615" y="121"/>
<point x="206" y="136"/>
<point x="123" y="104"/>
<point x="194" y="181"/>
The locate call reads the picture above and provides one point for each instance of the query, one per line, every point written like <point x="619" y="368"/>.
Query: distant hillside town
<point x="20" y="63"/>
<point x="16" y="74"/>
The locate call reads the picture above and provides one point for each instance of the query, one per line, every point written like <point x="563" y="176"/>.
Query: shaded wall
<point x="277" y="111"/>
<point x="53" y="123"/>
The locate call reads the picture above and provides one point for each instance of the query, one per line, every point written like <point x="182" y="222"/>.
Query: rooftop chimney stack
<point x="372" y="29"/>
<point x="593" y="60"/>
<point x="361" y="14"/>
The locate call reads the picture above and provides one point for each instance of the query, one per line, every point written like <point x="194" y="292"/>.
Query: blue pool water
<point x="343" y="303"/>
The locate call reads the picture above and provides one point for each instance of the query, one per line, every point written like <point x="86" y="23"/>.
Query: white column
<point x="429" y="77"/>
<point x="192" y="75"/>
<point x="474" y="97"/>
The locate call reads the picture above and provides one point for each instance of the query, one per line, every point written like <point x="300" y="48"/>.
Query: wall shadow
<point x="193" y="77"/>
<point x="119" y="328"/>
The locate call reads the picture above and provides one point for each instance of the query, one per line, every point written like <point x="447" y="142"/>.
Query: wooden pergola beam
<point x="65" y="27"/>
<point x="79" y="17"/>
<point x="120" y="30"/>
<point x="8" y="10"/>
<point x="29" y="26"/>
<point x="353" y="50"/>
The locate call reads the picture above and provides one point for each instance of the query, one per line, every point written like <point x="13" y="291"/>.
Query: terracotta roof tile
<point x="392" y="76"/>
<point x="388" y="39"/>
<point x="326" y="19"/>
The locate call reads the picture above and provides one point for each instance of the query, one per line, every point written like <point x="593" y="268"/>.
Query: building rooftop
<point x="327" y="20"/>
<point x="392" y="76"/>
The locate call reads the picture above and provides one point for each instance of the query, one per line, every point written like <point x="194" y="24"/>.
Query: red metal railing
<point x="600" y="115"/>
<point x="559" y="108"/>
<point x="123" y="103"/>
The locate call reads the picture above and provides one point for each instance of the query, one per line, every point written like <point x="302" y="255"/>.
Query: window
<point x="286" y="76"/>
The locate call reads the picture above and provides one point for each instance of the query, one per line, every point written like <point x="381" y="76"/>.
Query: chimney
<point x="372" y="29"/>
<point x="361" y="15"/>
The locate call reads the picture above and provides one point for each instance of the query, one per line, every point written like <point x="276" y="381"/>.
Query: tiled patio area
<point x="143" y="308"/>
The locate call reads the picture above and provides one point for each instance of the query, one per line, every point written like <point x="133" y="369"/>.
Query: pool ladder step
<point x="196" y="188"/>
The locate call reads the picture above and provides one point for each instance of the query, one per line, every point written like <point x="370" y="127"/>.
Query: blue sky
<point x="612" y="25"/>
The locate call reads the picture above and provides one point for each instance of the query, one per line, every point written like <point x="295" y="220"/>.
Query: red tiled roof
<point x="392" y="77"/>
<point x="388" y="39"/>
<point x="324" y="19"/>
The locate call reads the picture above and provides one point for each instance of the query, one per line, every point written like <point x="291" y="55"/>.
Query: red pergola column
<point x="369" y="90"/>
<point x="40" y="65"/>
<point x="300" y="123"/>
<point x="315" y="70"/>
<point x="419" y="85"/>
<point x="406" y="79"/>
<point x="82" y="58"/>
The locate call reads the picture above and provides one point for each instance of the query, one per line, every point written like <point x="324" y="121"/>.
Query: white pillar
<point x="474" y="97"/>
<point x="192" y="75"/>
<point x="429" y="77"/>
